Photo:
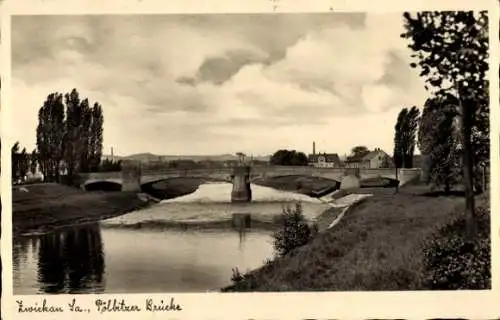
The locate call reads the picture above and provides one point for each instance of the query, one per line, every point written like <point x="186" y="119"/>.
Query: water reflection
<point x="137" y="260"/>
<point x="71" y="261"/>
<point x="242" y="234"/>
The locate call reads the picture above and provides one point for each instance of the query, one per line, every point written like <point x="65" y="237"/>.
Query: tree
<point x="437" y="139"/>
<point x="23" y="163"/>
<point x="69" y="135"/>
<point x="409" y="136"/>
<point x="33" y="161"/>
<point x="110" y="166"/>
<point x="359" y="151"/>
<point x="398" y="153"/>
<point x="15" y="160"/>
<point x="404" y="137"/>
<point x="85" y="136"/>
<point x="96" y="137"/>
<point x="285" y="157"/>
<point x="451" y="49"/>
<point x="50" y="134"/>
<point x="20" y="162"/>
<point x="295" y="232"/>
<point x="72" y="143"/>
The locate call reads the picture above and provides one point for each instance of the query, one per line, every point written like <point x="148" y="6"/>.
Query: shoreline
<point x="65" y="206"/>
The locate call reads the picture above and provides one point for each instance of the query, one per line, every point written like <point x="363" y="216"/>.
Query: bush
<point x="452" y="262"/>
<point x="241" y="282"/>
<point x="296" y="231"/>
<point x="237" y="276"/>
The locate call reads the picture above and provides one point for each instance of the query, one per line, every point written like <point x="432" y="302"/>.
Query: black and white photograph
<point x="250" y="152"/>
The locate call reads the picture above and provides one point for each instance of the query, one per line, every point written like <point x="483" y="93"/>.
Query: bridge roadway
<point x="257" y="172"/>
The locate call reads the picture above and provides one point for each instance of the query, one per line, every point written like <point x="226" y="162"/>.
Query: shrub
<point x="452" y="262"/>
<point x="241" y="282"/>
<point x="295" y="232"/>
<point x="237" y="276"/>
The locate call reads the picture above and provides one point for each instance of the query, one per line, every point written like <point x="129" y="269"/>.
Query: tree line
<point x="21" y="161"/>
<point x="69" y="139"/>
<point x="451" y="51"/>
<point x="24" y="163"/>
<point x="285" y="157"/>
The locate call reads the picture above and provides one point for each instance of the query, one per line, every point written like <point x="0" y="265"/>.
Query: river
<point x="138" y="252"/>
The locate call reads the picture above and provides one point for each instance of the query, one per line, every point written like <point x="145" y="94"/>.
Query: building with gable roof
<point x="377" y="158"/>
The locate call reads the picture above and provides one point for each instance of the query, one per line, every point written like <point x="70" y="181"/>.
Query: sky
<point x="217" y="84"/>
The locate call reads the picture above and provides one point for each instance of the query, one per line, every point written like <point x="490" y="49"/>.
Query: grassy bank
<point x="296" y="183"/>
<point x="174" y="187"/>
<point x="177" y="187"/>
<point x="43" y="206"/>
<point x="38" y="207"/>
<point x="376" y="246"/>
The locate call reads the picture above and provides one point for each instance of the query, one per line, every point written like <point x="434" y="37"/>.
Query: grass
<point x="299" y="183"/>
<point x="174" y="187"/>
<point x="376" y="246"/>
<point x="49" y="205"/>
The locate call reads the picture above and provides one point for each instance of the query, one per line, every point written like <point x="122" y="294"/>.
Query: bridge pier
<point x="131" y="176"/>
<point x="241" y="185"/>
<point x="351" y="179"/>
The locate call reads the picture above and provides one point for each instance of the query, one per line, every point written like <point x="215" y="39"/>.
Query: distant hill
<point x="149" y="157"/>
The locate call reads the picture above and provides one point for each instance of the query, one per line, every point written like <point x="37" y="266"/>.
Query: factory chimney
<point x="314" y="148"/>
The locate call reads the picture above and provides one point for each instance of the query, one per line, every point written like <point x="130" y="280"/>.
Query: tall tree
<point x="23" y="163"/>
<point x="451" y="49"/>
<point x="409" y="135"/>
<point x="57" y="119"/>
<point x="437" y="140"/>
<point x="15" y="160"/>
<point x="33" y="161"/>
<point x="72" y="142"/>
<point x="398" y="153"/>
<point x="50" y="133"/>
<point x="405" y="136"/>
<point x="85" y="135"/>
<point x="69" y="135"/>
<point x="42" y="137"/>
<point x="96" y="136"/>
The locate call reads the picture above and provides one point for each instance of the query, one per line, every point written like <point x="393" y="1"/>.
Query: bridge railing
<point x="186" y="172"/>
<point x="255" y="171"/>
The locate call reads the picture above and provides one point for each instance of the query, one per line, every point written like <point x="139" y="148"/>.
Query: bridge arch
<point x="102" y="185"/>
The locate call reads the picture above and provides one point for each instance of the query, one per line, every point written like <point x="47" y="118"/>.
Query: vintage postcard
<point x="259" y="160"/>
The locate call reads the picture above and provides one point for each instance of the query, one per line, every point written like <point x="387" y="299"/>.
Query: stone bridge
<point x="132" y="177"/>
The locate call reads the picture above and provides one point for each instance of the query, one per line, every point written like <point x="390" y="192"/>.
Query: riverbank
<point x="376" y="246"/>
<point x="40" y="207"/>
<point x="45" y="206"/>
<point x="177" y="187"/>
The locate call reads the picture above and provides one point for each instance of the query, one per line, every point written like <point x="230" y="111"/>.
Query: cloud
<point x="215" y="83"/>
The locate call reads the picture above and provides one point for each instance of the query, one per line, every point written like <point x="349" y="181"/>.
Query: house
<point x="325" y="160"/>
<point x="373" y="159"/>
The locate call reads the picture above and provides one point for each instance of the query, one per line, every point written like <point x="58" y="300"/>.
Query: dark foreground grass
<point x="376" y="246"/>
<point x="45" y="206"/>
